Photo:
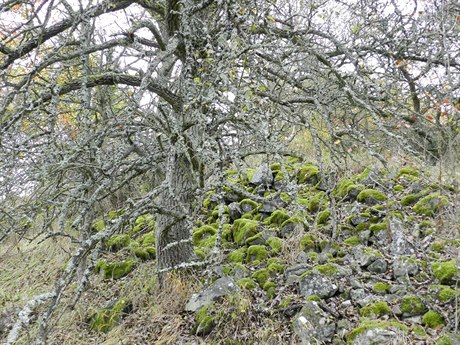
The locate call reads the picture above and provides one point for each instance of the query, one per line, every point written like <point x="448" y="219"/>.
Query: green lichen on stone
<point x="412" y="306"/>
<point x="375" y="309"/>
<point x="366" y="325"/>
<point x="445" y="271"/>
<point x="277" y="218"/>
<point x="371" y="196"/>
<point x="107" y="318"/>
<point x="243" y="229"/>
<point x="238" y="255"/>
<point x="309" y="173"/>
<point x="276" y="244"/>
<point x="261" y="276"/>
<point x="327" y="269"/>
<point x="430" y="205"/>
<point x="381" y="288"/>
<point x="323" y="217"/>
<point x="374" y="228"/>
<point x="313" y="298"/>
<point x="204" y="321"/>
<point x="432" y="319"/>
<point x="246" y="283"/>
<point x="117" y="242"/>
<point x="408" y="171"/>
<point x="352" y="241"/>
<point x="256" y="252"/>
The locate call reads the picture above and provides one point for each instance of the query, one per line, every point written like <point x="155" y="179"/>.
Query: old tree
<point x="140" y="105"/>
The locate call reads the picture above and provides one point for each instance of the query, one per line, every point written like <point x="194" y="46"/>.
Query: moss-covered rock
<point x="371" y="196"/>
<point x="352" y="241"/>
<point x="238" y="255"/>
<point x="446" y="293"/>
<point x="148" y="239"/>
<point x="408" y="171"/>
<point x="412" y="306"/>
<point x="411" y="199"/>
<point x="246" y="283"/>
<point x="317" y="202"/>
<point x="118" y="242"/>
<point x="366" y="325"/>
<point x="261" y="276"/>
<point x="201" y="234"/>
<point x="243" y="229"/>
<point x="308" y="173"/>
<point x="431" y="204"/>
<point x="446" y="272"/>
<point x="115" y="270"/>
<point x="107" y="318"/>
<point x="277" y="218"/>
<point x="375" y="309"/>
<point x="432" y="319"/>
<point x="308" y="242"/>
<point x="204" y="321"/>
<point x="381" y="288"/>
<point x="323" y="217"/>
<point x="256" y="252"/>
<point x="145" y="222"/>
<point x="374" y="228"/>
<point x="276" y="245"/>
<point x="98" y="225"/>
<point x="145" y="253"/>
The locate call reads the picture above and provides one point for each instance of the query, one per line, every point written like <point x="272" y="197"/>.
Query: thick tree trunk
<point x="173" y="241"/>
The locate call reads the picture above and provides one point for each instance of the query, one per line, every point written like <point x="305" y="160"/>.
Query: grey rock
<point x="404" y="267"/>
<point x="291" y="228"/>
<point x="378" y="266"/>
<point x="364" y="236"/>
<point x="316" y="284"/>
<point x="312" y="325"/>
<point x="366" y="256"/>
<point x="399" y="243"/>
<point x="263" y="175"/>
<point x="292" y="273"/>
<point x="361" y="297"/>
<point x="221" y="287"/>
<point x="379" y="336"/>
<point x="356" y="220"/>
<point x="234" y="210"/>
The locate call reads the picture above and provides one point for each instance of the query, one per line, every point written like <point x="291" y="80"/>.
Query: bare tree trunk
<point x="173" y="244"/>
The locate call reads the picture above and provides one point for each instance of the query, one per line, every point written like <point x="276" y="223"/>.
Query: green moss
<point x="276" y="244"/>
<point x="446" y="293"/>
<point x="144" y="222"/>
<point x="411" y="199"/>
<point x="364" y="174"/>
<point x="323" y="217"/>
<point x="277" y="218"/>
<point x="371" y="196"/>
<point x="411" y="171"/>
<point x="448" y="339"/>
<point x="145" y="253"/>
<point x="317" y="202"/>
<point x="398" y="188"/>
<point x="431" y="204"/>
<point x="114" y="214"/>
<point x="412" y="306"/>
<point x="275" y="267"/>
<point x="327" y="269"/>
<point x="438" y="246"/>
<point x="366" y="325"/>
<point x="246" y="283"/>
<point x="378" y="227"/>
<point x="308" y="173"/>
<point x="207" y="200"/>
<point x="419" y="331"/>
<point x="149" y="239"/>
<point x="381" y="288"/>
<point x="432" y="319"/>
<point x="238" y="255"/>
<point x="243" y="229"/>
<point x="115" y="270"/>
<point x="285" y="196"/>
<point x="106" y="319"/>
<point x="313" y="298"/>
<point x="285" y="302"/>
<point x="352" y="241"/>
<point x="118" y="242"/>
<point x="307" y="242"/>
<point x="341" y="190"/>
<point x="98" y="225"/>
<point x="253" y="238"/>
<point x="204" y="321"/>
<point x="446" y="271"/>
<point x="256" y="252"/>
<point x="268" y="285"/>
<point x="261" y="276"/>
<point x="375" y="309"/>
<point x="425" y="224"/>
<point x="254" y="205"/>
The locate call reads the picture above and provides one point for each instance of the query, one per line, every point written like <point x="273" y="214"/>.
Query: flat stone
<point x="221" y="287"/>
<point x="263" y="175"/>
<point x="316" y="284"/>
<point x="313" y="324"/>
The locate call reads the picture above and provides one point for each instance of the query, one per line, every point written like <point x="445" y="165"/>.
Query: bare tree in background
<point x="146" y="102"/>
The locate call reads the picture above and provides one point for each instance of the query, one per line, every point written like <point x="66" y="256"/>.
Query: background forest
<point x="301" y="156"/>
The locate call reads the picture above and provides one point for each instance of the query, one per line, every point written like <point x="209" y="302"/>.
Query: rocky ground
<point x="374" y="259"/>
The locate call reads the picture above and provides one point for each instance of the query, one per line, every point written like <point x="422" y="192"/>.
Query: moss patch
<point x="381" y="288"/>
<point x="256" y="252"/>
<point x="204" y="321"/>
<point x="412" y="306"/>
<point x="371" y="196"/>
<point x="446" y="271"/>
<point x="308" y="173"/>
<point x="276" y="244"/>
<point x="432" y="319"/>
<point x="118" y="242"/>
<point x="115" y="270"/>
<point x="375" y="309"/>
<point x="323" y="217"/>
<point x="106" y="319"/>
<point x="431" y="204"/>
<point x="243" y="229"/>
<point x="246" y="283"/>
<point x="366" y="325"/>
<point x="261" y="276"/>
<point x="277" y="218"/>
<point x="238" y="255"/>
